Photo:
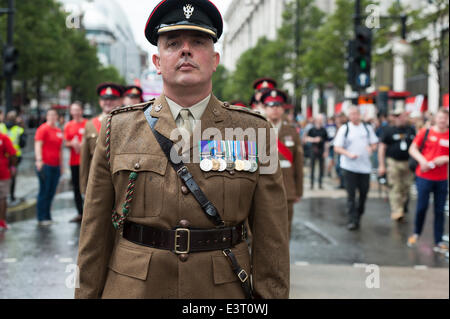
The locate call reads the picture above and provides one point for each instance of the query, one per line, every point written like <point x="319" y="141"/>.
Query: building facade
<point x="108" y="29"/>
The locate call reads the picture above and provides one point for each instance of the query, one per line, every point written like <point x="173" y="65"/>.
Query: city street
<point x="327" y="261"/>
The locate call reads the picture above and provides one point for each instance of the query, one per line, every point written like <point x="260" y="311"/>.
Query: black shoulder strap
<point x="346" y="130"/>
<point x="424" y="140"/>
<point x="182" y="171"/>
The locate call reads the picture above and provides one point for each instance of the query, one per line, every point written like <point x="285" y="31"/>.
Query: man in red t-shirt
<point x="49" y="165"/>
<point x="432" y="177"/>
<point x="7" y="169"/>
<point x="73" y="136"/>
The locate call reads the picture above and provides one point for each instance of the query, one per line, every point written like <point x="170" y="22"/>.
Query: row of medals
<point x="219" y="164"/>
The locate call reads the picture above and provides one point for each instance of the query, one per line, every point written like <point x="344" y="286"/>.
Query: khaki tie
<point x="184" y="113"/>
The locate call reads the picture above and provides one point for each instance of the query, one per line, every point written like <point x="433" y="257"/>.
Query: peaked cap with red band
<point x="274" y="97"/>
<point x="109" y="90"/>
<point x="264" y="83"/>
<point x="238" y="103"/>
<point x="133" y="91"/>
<point x="171" y="15"/>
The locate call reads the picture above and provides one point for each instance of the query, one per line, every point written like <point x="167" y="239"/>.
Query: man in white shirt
<point x="355" y="141"/>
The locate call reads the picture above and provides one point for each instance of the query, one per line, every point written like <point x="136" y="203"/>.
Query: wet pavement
<point x="326" y="258"/>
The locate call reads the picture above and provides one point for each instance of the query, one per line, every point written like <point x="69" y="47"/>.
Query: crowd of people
<point x="49" y="141"/>
<point x="386" y="146"/>
<point x="342" y="145"/>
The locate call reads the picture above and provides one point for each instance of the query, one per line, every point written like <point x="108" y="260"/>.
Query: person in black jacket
<point x="393" y="154"/>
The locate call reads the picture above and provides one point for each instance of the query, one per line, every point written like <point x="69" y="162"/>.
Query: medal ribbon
<point x="237" y="149"/>
<point x="205" y="147"/>
<point x="244" y="153"/>
<point x="230" y="150"/>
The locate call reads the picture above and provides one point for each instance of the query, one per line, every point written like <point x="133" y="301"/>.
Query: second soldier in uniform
<point x="290" y="148"/>
<point x="110" y="97"/>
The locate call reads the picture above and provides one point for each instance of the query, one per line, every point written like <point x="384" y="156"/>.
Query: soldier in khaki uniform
<point x="290" y="149"/>
<point x="132" y="95"/>
<point x="160" y="242"/>
<point x="110" y="97"/>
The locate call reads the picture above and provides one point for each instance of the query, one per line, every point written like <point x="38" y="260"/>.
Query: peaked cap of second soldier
<point x="171" y="15"/>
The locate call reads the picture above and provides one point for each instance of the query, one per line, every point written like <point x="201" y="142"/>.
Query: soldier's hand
<point x="381" y="170"/>
<point x="297" y="199"/>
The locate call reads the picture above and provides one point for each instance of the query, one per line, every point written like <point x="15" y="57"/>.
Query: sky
<point x="138" y="12"/>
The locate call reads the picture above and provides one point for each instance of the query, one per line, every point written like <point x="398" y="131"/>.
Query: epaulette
<point x="243" y="109"/>
<point x="134" y="107"/>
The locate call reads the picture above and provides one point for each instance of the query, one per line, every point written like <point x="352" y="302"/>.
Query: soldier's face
<point x="107" y="105"/>
<point x="274" y="113"/>
<point x="131" y="101"/>
<point x="186" y="58"/>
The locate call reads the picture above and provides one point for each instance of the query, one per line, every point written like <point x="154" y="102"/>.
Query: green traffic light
<point x="363" y="64"/>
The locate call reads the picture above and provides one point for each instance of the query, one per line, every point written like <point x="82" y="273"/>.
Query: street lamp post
<point x="9" y="43"/>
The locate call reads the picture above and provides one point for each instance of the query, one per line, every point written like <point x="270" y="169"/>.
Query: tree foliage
<point x="52" y="56"/>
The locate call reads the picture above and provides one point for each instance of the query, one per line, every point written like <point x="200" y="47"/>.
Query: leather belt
<point x="185" y="240"/>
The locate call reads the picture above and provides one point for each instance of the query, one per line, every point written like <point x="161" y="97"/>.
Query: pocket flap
<point x="130" y="262"/>
<point x="236" y="174"/>
<point x="139" y="163"/>
<point x="223" y="272"/>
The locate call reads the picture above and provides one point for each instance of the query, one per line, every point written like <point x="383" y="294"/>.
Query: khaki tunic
<point x="293" y="176"/>
<point x="112" y="267"/>
<point x="87" y="152"/>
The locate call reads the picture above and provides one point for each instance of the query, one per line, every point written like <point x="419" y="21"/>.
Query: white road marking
<point x="10" y="260"/>
<point x="420" y="267"/>
<point x="302" y="263"/>
<point x="65" y="260"/>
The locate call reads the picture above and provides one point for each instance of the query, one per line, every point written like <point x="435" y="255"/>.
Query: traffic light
<point x="351" y="70"/>
<point x="363" y="52"/>
<point x="10" y="55"/>
<point x="383" y="100"/>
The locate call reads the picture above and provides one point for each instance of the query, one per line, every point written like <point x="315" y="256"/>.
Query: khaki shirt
<point x="112" y="267"/>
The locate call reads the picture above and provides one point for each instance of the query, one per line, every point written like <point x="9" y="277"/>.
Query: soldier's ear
<point x="216" y="60"/>
<point x="156" y="62"/>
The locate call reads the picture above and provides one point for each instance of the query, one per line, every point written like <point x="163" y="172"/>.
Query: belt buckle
<point x="243" y="275"/>
<point x="188" y="242"/>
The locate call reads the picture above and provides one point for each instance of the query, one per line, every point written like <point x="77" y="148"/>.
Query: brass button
<point x="183" y="257"/>
<point x="232" y="172"/>
<point x="226" y="104"/>
<point x="184" y="190"/>
<point x="137" y="166"/>
<point x="184" y="223"/>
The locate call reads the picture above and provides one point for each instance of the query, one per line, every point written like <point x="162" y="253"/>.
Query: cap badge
<point x="188" y="10"/>
<point x="265" y="84"/>
<point x="108" y="91"/>
<point x="274" y="93"/>
<point x="134" y="91"/>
